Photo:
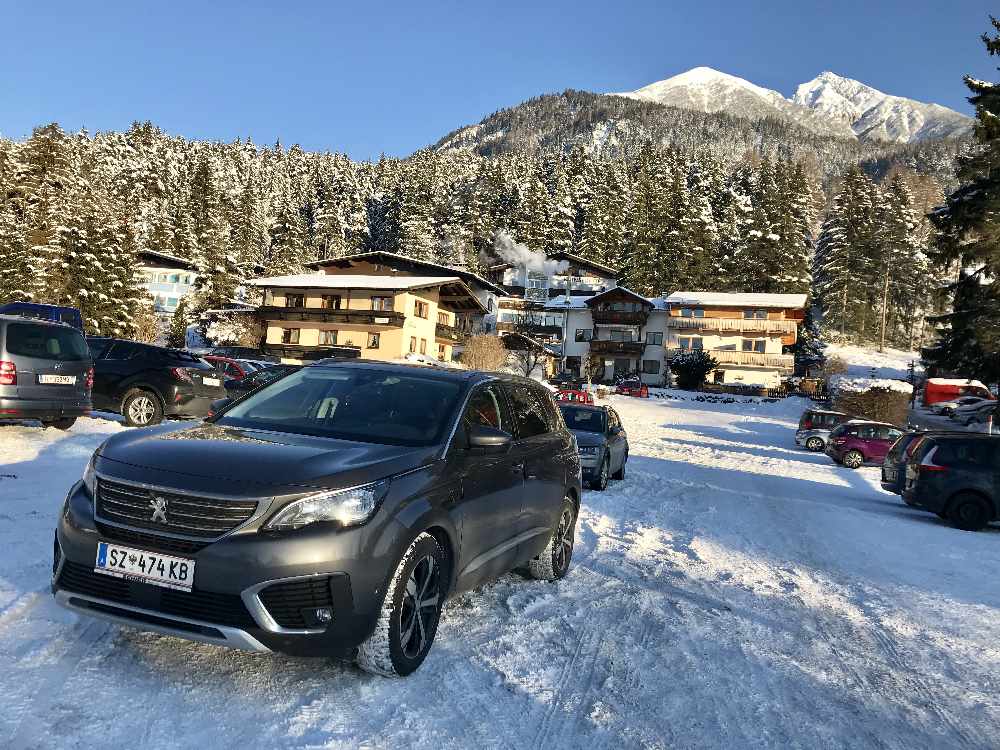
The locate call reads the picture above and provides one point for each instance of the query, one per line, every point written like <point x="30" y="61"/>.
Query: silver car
<point x="46" y="372"/>
<point x="815" y="426"/>
<point x="601" y="440"/>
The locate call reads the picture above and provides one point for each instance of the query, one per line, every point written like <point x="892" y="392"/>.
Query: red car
<point x="228" y="368"/>
<point x="633" y="388"/>
<point x="580" y="397"/>
<point x="856" y="443"/>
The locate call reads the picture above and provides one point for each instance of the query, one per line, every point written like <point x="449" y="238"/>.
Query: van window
<point x="46" y="342"/>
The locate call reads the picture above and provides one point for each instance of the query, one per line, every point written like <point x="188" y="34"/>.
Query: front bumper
<point x="243" y="588"/>
<point x="23" y="408"/>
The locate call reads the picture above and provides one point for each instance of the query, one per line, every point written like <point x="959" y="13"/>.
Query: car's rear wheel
<point x="410" y="612"/>
<point x="815" y="444"/>
<point x="60" y="424"/>
<point x="601" y="482"/>
<point x="620" y="474"/>
<point x="554" y="560"/>
<point x="141" y="408"/>
<point x="854" y="460"/>
<point x="969" y="512"/>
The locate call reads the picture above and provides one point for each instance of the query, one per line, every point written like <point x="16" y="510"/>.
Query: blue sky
<point x="366" y="78"/>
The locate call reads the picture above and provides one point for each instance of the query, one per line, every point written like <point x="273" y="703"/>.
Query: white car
<point x="947" y="408"/>
<point x="973" y="413"/>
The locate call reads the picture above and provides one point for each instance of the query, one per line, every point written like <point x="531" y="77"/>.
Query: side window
<point x="867" y="433"/>
<point x="122" y="350"/>
<point x="486" y="408"/>
<point x="612" y="420"/>
<point x="529" y="414"/>
<point x="552" y="414"/>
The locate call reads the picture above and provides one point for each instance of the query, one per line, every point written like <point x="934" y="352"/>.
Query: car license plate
<point x="57" y="379"/>
<point x="211" y="381"/>
<point x="142" y="565"/>
<point x="890" y="476"/>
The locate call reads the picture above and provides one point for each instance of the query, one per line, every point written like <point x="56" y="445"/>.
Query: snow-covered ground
<point x="892" y="363"/>
<point x="731" y="592"/>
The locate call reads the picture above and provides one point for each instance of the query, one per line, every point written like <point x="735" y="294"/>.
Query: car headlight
<point x="588" y="450"/>
<point x="348" y="507"/>
<point x="90" y="477"/>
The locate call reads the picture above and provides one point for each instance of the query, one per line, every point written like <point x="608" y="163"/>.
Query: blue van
<point x="53" y="313"/>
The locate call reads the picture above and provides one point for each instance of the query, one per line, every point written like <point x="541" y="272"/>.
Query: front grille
<point x="292" y="604"/>
<point x="150" y="541"/>
<point x="192" y="516"/>
<point x="219" y="609"/>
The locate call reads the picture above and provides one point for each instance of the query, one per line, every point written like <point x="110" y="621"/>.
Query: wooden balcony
<point x="736" y="325"/>
<point x="447" y="332"/>
<point x="328" y="315"/>
<point x="532" y="329"/>
<point x="605" y="346"/>
<point x="783" y="362"/>
<point x="617" y="317"/>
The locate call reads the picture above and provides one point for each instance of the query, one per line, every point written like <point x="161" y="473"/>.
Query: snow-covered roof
<point x="385" y="255"/>
<point x="619" y="290"/>
<point x="862" y="385"/>
<point x="326" y="281"/>
<point x="562" y="302"/>
<point x="737" y="299"/>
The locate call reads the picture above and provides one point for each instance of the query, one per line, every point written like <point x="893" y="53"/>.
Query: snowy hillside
<point x="875" y="115"/>
<point x="892" y="363"/>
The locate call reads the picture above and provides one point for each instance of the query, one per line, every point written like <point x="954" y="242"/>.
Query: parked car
<point x="602" y="442"/>
<point x="331" y="512"/>
<point x="236" y="388"/>
<point x="956" y="476"/>
<point x="52" y="313"/>
<point x="583" y="397"/>
<point x="241" y="352"/>
<point x="46" y="372"/>
<point x="145" y="383"/>
<point x="894" y="465"/>
<point x="947" y="408"/>
<point x="567" y="379"/>
<point x="971" y="413"/>
<point x="228" y="368"/>
<point x="859" y="442"/>
<point x="940" y="390"/>
<point x="984" y="414"/>
<point x="815" y="426"/>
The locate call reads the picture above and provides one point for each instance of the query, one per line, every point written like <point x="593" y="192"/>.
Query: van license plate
<point x="142" y="565"/>
<point x="57" y="379"/>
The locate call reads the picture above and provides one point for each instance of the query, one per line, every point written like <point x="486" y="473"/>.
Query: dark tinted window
<point x="46" y="342"/>
<point x="587" y="420"/>
<point x="984" y="453"/>
<point x="98" y="347"/>
<point x="360" y="404"/>
<point x="529" y="411"/>
<point x="486" y="408"/>
<point x="124" y="350"/>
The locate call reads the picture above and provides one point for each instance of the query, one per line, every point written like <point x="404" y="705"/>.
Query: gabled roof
<point x="396" y="260"/>
<point x="619" y="290"/>
<point x="736" y="299"/>
<point x="156" y="259"/>
<point x="581" y="261"/>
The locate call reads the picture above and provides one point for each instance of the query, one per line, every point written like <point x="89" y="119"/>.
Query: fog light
<point x="324" y="614"/>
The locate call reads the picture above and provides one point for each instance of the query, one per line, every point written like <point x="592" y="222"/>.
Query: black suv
<point x="145" y="383"/>
<point x="957" y="476"/>
<point x="330" y="512"/>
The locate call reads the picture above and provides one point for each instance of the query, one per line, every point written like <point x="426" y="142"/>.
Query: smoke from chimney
<point x="519" y="255"/>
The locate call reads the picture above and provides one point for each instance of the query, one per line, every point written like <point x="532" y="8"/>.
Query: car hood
<point x="209" y="457"/>
<point x="588" y="439"/>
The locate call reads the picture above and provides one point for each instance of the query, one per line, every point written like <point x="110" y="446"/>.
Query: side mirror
<point x="489" y="440"/>
<point x="218" y="405"/>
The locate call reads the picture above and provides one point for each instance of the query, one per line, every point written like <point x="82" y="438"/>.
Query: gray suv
<point x="46" y="372"/>
<point x="330" y="512"/>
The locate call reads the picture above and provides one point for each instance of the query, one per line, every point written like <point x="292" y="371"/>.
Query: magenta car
<point x="857" y="443"/>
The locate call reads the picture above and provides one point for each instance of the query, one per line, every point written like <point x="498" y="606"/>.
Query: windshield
<point x="46" y="342"/>
<point x="351" y="403"/>
<point x="587" y="420"/>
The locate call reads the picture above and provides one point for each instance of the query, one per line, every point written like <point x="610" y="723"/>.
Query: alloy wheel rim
<point x="853" y="461"/>
<point x="562" y="545"/>
<point x="141" y="409"/>
<point x="419" y="607"/>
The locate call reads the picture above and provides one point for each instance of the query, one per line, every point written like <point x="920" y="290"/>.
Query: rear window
<point x="983" y="453"/>
<point x="46" y="342"/>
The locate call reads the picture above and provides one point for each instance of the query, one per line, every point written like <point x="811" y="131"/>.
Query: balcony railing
<point x="749" y="359"/>
<point x="532" y="329"/>
<point x="447" y="332"/>
<point x="605" y="346"/>
<point x="733" y="324"/>
<point x="299" y="351"/>
<point x="328" y="315"/>
<point x="619" y="317"/>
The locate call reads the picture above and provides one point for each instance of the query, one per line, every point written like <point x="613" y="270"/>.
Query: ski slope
<point x="731" y="592"/>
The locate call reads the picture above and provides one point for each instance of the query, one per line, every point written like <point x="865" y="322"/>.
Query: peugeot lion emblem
<point x="159" y="506"/>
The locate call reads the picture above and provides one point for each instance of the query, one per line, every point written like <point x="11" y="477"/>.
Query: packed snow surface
<point x="731" y="592"/>
<point x="862" y="360"/>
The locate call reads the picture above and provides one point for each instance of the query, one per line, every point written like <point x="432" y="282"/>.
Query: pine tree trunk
<point x="885" y="302"/>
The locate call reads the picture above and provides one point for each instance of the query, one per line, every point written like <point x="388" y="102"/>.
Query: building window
<point x="171" y="302"/>
<point x="413" y="344"/>
<point x="423" y="346"/>
<point x="373" y="340"/>
<point x="754" y="345"/>
<point x="654" y="339"/>
<point x="295" y="300"/>
<point x="175" y="278"/>
<point x="441" y="352"/>
<point x="328" y="338"/>
<point x="421" y="309"/>
<point x="382" y="303"/>
<point x="443" y="318"/>
<point x="651" y="366"/>
<point x="622" y="334"/>
<point x="331" y="301"/>
<point x="290" y="336"/>
<point x="755" y="314"/>
<point x="584" y="334"/>
<point x="690" y="342"/>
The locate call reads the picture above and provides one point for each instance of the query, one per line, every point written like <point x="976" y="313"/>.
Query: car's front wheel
<point x="410" y="612"/>
<point x="854" y="460"/>
<point x="141" y="408"/>
<point x="620" y="474"/>
<point x="600" y="483"/>
<point x="553" y="562"/>
<point x="815" y="444"/>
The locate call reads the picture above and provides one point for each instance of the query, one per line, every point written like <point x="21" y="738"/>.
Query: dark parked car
<point x="145" y="383"/>
<point x="894" y="465"/>
<point x="601" y="439"/>
<point x="331" y="512"/>
<point x="242" y="352"/>
<point x="815" y="426"/>
<point x="858" y="442"/>
<point x="236" y="388"/>
<point x="45" y="372"/>
<point x="956" y="476"/>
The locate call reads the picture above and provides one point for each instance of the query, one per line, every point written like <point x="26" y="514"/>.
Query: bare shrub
<point x="484" y="352"/>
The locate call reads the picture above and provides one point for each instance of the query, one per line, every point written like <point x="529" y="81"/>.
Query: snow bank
<point x="848" y="384"/>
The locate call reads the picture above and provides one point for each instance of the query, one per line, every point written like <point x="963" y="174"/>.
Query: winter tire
<point x="141" y="408"/>
<point x="601" y="483"/>
<point x="968" y="512"/>
<point x="553" y="561"/>
<point x="60" y="424"/>
<point x="410" y="612"/>
<point x="854" y="460"/>
<point x="815" y="444"/>
<point x="620" y="474"/>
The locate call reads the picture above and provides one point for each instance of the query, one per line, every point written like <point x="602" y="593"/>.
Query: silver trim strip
<point x="478" y="562"/>
<point x="263" y="618"/>
<point x="232" y="637"/>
